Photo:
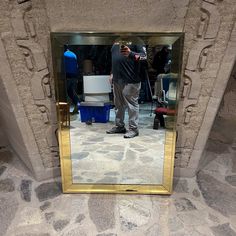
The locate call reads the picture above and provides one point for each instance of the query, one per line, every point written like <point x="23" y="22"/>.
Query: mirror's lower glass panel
<point x="82" y="67"/>
<point x="101" y="158"/>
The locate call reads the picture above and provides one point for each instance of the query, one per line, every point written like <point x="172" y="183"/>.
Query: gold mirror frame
<point x="58" y="40"/>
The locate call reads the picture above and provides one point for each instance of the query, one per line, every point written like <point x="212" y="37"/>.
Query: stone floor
<point x="201" y="206"/>
<point x="101" y="158"/>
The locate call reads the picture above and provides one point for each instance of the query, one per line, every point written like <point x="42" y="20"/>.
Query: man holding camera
<point x="126" y="86"/>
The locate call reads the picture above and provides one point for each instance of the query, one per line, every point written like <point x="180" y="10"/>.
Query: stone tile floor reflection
<point x="201" y="206"/>
<point x="101" y="158"/>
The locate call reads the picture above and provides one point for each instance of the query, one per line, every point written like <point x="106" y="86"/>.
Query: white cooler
<point x="96" y="88"/>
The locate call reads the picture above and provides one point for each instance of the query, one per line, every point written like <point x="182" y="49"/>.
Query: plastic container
<point x="95" y="114"/>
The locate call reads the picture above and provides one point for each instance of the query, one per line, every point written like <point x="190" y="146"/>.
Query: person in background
<point x="126" y="86"/>
<point x="161" y="64"/>
<point x="160" y="60"/>
<point x="71" y="73"/>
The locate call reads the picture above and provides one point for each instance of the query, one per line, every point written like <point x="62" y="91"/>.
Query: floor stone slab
<point x="47" y="191"/>
<point x="7" y="185"/>
<point x="101" y="211"/>
<point x="59" y="225"/>
<point x="223" y="230"/>
<point x="26" y="189"/>
<point x="8" y="208"/>
<point x="217" y="195"/>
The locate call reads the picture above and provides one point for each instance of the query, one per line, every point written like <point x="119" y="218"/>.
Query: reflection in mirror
<point x="117" y="99"/>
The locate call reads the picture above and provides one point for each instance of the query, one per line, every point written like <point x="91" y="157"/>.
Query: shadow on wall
<point x="222" y="138"/>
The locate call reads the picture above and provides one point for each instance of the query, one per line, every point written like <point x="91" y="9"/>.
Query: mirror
<point x="117" y="136"/>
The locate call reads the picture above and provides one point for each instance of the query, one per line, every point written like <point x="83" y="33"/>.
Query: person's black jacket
<point x="127" y="69"/>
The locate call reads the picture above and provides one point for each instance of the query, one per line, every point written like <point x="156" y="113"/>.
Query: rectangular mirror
<point x="141" y="98"/>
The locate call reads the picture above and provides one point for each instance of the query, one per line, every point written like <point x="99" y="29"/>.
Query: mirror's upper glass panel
<point x="117" y="95"/>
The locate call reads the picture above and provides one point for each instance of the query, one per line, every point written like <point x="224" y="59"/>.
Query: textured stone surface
<point x="180" y="185"/>
<point x="184" y="204"/>
<point x="155" y="9"/>
<point x="154" y="230"/>
<point x="75" y="232"/>
<point x="113" y="215"/>
<point x="196" y="193"/>
<point x="60" y="224"/>
<point x="47" y="191"/>
<point x="101" y="211"/>
<point x="233" y="163"/>
<point x="45" y="206"/>
<point x="26" y="189"/>
<point x="221" y="197"/>
<point x="80" y="218"/>
<point x="29" y="216"/>
<point x="33" y="234"/>
<point x="7" y="185"/>
<point x="231" y="180"/>
<point x="127" y="225"/>
<point x="108" y="234"/>
<point x="8" y="208"/>
<point x="49" y="216"/>
<point x="174" y="224"/>
<point x="128" y="215"/>
<point x="192" y="218"/>
<point x="212" y="21"/>
<point x="2" y="169"/>
<point x="224" y="229"/>
<point x="81" y="155"/>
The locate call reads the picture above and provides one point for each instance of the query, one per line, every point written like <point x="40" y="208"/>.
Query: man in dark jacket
<point x="126" y="86"/>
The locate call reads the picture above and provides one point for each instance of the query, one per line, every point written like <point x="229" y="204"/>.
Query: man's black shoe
<point x="117" y="130"/>
<point x="131" y="134"/>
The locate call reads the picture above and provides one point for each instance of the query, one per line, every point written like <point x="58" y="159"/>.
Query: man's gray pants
<point x="126" y="96"/>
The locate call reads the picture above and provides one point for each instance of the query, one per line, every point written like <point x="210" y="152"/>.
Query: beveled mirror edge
<point x="64" y="142"/>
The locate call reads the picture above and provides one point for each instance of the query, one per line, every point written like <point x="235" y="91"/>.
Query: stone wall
<point x="28" y="105"/>
<point x="209" y="53"/>
<point x="209" y="59"/>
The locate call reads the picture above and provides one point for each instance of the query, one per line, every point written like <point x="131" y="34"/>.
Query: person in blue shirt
<point x="71" y="73"/>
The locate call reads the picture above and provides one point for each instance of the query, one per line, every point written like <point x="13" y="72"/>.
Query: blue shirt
<point x="70" y="63"/>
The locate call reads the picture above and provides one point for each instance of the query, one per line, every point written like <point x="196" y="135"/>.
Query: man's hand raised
<point x="124" y="50"/>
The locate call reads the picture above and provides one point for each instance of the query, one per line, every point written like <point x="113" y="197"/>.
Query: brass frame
<point x="64" y="132"/>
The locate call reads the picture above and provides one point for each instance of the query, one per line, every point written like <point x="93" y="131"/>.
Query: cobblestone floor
<point x="201" y="206"/>
<point x="101" y="158"/>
